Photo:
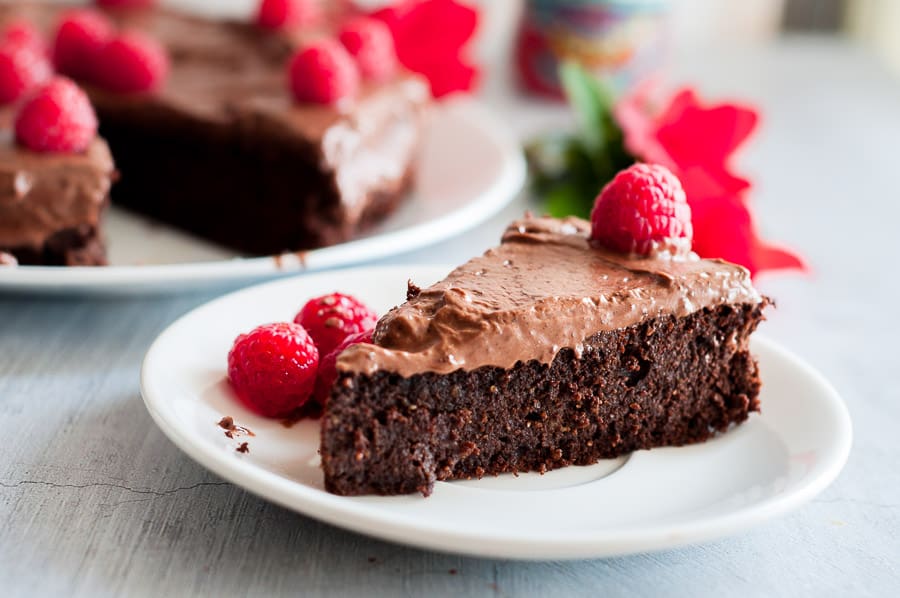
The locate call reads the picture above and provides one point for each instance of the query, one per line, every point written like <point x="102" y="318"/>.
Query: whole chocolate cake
<point x="221" y="148"/>
<point x="545" y="352"/>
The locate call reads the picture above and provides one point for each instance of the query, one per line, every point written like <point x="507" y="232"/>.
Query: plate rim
<point x="503" y="189"/>
<point x="368" y="520"/>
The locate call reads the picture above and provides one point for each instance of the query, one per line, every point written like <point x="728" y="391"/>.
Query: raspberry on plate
<point x="80" y="36"/>
<point x="22" y="68"/>
<point x="328" y="365"/>
<point x="323" y="72"/>
<point x="332" y="318"/>
<point x="132" y="62"/>
<point x="370" y="42"/>
<point x="280" y="14"/>
<point x="273" y="368"/>
<point x="643" y="210"/>
<point x="58" y="117"/>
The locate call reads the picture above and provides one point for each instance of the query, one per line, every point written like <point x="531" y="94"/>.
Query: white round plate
<point x="649" y="500"/>
<point x="469" y="168"/>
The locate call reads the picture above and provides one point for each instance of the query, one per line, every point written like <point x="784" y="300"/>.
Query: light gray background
<point x="95" y="501"/>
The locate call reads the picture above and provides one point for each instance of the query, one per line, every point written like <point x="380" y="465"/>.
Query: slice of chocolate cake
<point x="51" y="204"/>
<point x="544" y="352"/>
<point x="253" y="169"/>
<point x="222" y="150"/>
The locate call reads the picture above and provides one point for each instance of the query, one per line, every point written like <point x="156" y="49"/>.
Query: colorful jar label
<point x="621" y="42"/>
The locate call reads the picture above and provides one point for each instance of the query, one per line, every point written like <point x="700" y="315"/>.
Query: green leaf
<point x="568" y="171"/>
<point x="566" y="199"/>
<point x="591" y="102"/>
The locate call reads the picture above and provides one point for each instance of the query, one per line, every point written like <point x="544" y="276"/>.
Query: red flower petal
<point x="724" y="228"/>
<point x="430" y="38"/>
<point x="686" y="133"/>
<point x="680" y="102"/>
<point x="695" y="135"/>
<point x="448" y="76"/>
<point x="772" y="257"/>
<point x="428" y="25"/>
<point x="702" y="182"/>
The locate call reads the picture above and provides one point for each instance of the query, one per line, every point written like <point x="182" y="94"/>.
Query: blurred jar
<point x="621" y="41"/>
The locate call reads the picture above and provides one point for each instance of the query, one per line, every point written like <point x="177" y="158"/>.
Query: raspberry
<point x="22" y="68"/>
<point x="642" y="210"/>
<point x="332" y="318"/>
<point x="323" y="73"/>
<point x="57" y="118"/>
<point x="328" y="365"/>
<point x="273" y="368"/>
<point x="21" y="32"/>
<point x="280" y="14"/>
<point x="132" y="62"/>
<point x="370" y="42"/>
<point x="80" y="36"/>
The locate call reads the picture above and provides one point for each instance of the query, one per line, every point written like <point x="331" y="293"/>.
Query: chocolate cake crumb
<point x="412" y="290"/>
<point x="452" y="572"/>
<point x="243" y="448"/>
<point x="232" y="429"/>
<point x="372" y="559"/>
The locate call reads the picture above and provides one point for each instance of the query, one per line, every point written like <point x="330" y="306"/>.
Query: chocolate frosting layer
<point x="232" y="73"/>
<point x="543" y="289"/>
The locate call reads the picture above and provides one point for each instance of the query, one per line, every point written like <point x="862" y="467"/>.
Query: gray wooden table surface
<point x="95" y="501"/>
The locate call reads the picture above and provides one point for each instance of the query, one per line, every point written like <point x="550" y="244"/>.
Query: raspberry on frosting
<point x="273" y="368"/>
<point x="58" y="117"/>
<point x="22" y="68"/>
<point x="332" y="318"/>
<point x="80" y="36"/>
<point x="642" y="210"/>
<point x="371" y="43"/>
<point x="323" y="72"/>
<point x="131" y="62"/>
<point x="282" y="14"/>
